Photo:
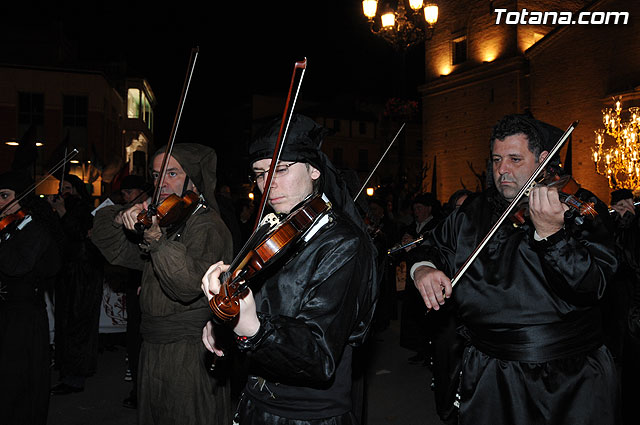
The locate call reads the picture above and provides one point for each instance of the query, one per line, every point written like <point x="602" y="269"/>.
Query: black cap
<point x="302" y="144"/>
<point x="18" y="181"/>
<point x="427" y="199"/>
<point x="620" y="194"/>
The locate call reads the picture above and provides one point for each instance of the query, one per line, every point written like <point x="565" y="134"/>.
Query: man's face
<point x="173" y="179"/>
<point x="288" y="188"/>
<point x="129" y="195"/>
<point x="7" y="196"/>
<point x="421" y="212"/>
<point x="513" y="164"/>
<point x="67" y="189"/>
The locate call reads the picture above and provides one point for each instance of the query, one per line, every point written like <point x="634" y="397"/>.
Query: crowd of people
<point x="544" y="327"/>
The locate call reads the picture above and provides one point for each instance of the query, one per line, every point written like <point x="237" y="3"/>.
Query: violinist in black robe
<point x="29" y="261"/>
<point x="78" y="289"/>
<point x="415" y="327"/>
<point x="529" y="303"/>
<point x="300" y="323"/>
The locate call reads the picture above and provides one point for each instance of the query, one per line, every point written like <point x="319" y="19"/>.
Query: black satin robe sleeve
<point x="313" y="307"/>
<point x="579" y="259"/>
<point x="575" y="262"/>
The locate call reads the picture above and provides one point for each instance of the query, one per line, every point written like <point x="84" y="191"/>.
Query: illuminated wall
<point x="560" y="74"/>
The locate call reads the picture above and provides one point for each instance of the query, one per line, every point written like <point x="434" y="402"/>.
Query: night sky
<point x="244" y="50"/>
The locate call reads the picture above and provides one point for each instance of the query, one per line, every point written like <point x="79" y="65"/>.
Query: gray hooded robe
<point x="174" y="383"/>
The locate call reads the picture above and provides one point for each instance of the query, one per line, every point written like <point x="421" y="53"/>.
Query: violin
<point x="399" y="247"/>
<point x="271" y="239"/>
<point x="280" y="238"/>
<point x="10" y="222"/>
<point x="174" y="209"/>
<point x="567" y="189"/>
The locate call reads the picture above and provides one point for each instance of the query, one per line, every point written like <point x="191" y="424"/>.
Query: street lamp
<point x="400" y="28"/>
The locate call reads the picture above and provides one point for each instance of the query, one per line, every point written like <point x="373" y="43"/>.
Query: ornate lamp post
<point x="619" y="161"/>
<point x="401" y="28"/>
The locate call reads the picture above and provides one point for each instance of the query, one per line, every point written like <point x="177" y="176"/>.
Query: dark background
<point x="245" y="49"/>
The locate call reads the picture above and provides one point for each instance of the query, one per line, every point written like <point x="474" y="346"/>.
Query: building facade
<point x="60" y="109"/>
<point x="478" y="70"/>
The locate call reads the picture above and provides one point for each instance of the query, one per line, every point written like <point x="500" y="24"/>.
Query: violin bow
<point x="63" y="172"/>
<point x="379" y="161"/>
<point x="174" y="129"/>
<point x="34" y="186"/>
<point x="523" y="190"/>
<point x="282" y="134"/>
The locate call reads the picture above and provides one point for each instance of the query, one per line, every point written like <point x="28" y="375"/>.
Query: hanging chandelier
<point x="619" y="160"/>
<point x="400" y="28"/>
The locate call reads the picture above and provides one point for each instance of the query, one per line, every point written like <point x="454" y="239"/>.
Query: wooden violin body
<point x="263" y="252"/>
<point x="10" y="222"/>
<point x="174" y="209"/>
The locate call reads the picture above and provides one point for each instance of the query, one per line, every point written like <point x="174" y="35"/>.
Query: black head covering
<point x="18" y="181"/>
<point x="304" y="138"/>
<point x="620" y="194"/>
<point x="78" y="185"/>
<point x="427" y="199"/>
<point x="303" y="142"/>
<point x="540" y="134"/>
<point x="199" y="162"/>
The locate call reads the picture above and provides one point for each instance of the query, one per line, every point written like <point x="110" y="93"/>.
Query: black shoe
<point x="130" y="402"/>
<point x="62" y="389"/>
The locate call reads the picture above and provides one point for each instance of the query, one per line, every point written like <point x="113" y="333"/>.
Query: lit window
<point x="133" y="103"/>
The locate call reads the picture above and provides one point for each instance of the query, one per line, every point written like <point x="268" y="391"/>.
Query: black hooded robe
<point x="530" y="314"/>
<point x="29" y="261"/>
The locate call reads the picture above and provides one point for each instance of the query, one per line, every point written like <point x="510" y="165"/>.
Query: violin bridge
<point x="271" y="219"/>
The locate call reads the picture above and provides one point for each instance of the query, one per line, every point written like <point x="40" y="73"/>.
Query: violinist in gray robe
<point x="175" y="385"/>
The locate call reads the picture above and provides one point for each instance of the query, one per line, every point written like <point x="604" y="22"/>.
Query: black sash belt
<point x="175" y="327"/>
<point x="540" y="343"/>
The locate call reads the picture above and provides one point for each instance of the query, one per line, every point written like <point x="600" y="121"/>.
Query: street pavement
<point x="398" y="393"/>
